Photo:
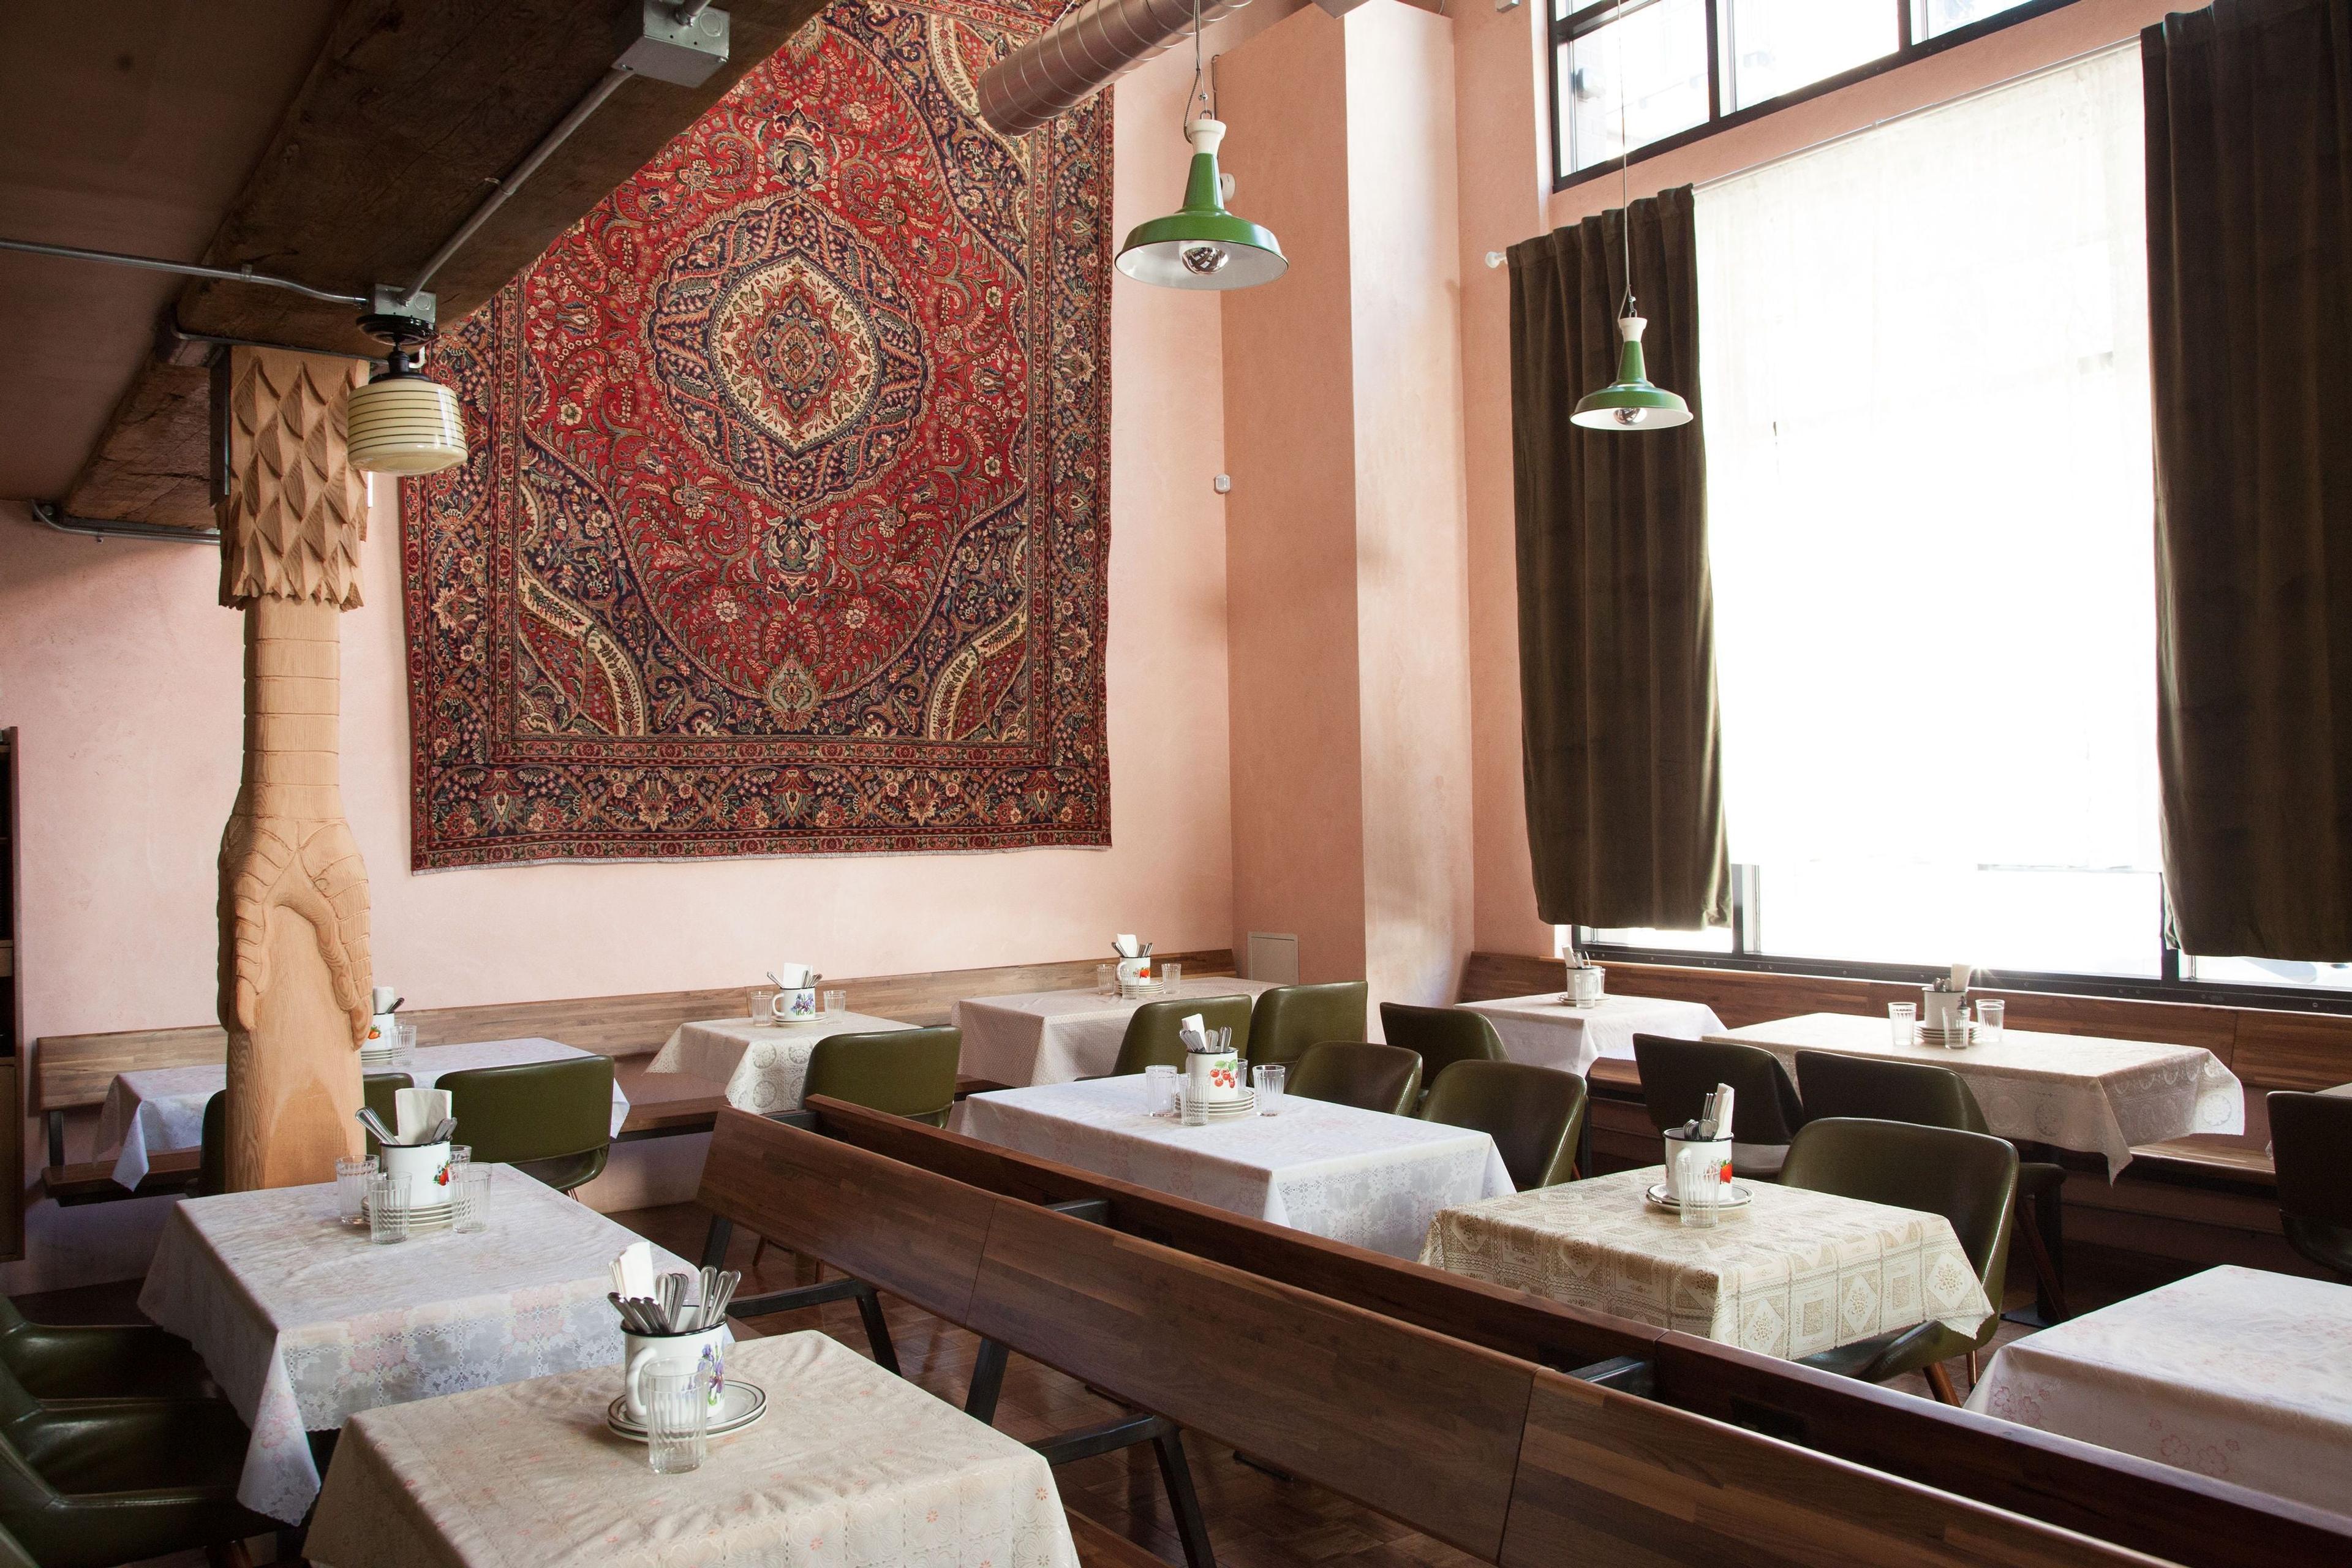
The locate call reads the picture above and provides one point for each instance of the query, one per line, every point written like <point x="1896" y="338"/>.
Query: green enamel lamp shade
<point x="1201" y="245"/>
<point x="1630" y="402"/>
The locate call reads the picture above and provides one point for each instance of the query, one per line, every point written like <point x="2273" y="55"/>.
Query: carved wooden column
<point x="295" y="972"/>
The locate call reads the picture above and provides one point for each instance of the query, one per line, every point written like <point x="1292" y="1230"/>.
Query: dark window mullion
<point x="1906" y="11"/>
<point x="1714" y="60"/>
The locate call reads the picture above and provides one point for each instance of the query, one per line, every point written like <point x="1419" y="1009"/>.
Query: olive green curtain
<point x="2250" y="303"/>
<point x="1616" y="613"/>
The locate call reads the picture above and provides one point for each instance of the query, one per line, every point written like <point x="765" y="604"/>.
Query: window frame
<point x="1590" y="18"/>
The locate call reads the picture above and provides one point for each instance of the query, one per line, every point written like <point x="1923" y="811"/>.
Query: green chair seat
<point x="1152" y="1037"/>
<point x="903" y="1072"/>
<point x="1442" y="1035"/>
<point x="1677" y="1075"/>
<point x="1535" y="1114"/>
<point x="553" y="1119"/>
<point x="1352" y="1072"/>
<point x="78" y="1360"/>
<point x="2309" y="1136"/>
<point x="1289" y="1019"/>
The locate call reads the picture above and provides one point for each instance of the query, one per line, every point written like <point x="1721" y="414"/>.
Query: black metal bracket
<point x="1627" y="1374"/>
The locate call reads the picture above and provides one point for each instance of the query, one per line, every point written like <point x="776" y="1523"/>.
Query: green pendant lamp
<point x="1630" y="402"/>
<point x="1201" y="245"/>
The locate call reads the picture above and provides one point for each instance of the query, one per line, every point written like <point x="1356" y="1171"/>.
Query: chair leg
<point x="2040" y="1222"/>
<point x="987" y="1383"/>
<point x="1940" y="1381"/>
<point x="877" y="1330"/>
<point x="1176" y="1475"/>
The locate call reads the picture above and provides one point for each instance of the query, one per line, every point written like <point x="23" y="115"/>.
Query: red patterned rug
<point x="785" y="521"/>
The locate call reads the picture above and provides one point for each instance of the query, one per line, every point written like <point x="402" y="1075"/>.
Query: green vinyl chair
<point x="1677" y="1075"/>
<point x="377" y="1090"/>
<point x="98" y="1360"/>
<point x="2309" y="1136"/>
<point x="1352" y="1072"/>
<point x="1535" y="1114"/>
<point x="553" y="1119"/>
<point x="1289" y="1019"/>
<point x="905" y="1072"/>
<point x="1442" y="1035"/>
<point x="1151" y="1040"/>
<point x="212" y="1150"/>
<point x="1967" y="1177"/>
<point x="1930" y="1096"/>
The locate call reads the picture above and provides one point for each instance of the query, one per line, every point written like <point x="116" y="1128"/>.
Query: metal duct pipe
<point x="1080" y="55"/>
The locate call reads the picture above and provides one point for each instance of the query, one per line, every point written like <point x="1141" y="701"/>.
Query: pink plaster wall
<point x="1502" y="87"/>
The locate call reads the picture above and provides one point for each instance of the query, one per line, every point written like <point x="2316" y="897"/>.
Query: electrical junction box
<point x="667" y="44"/>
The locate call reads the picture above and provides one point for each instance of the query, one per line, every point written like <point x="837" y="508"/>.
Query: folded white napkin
<point x="1125" y="945"/>
<point x="633" y="1270"/>
<point x="417" y="1110"/>
<point x="1194" y="1032"/>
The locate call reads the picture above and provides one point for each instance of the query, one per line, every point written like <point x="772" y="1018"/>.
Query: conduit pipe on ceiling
<point x="1080" y="55"/>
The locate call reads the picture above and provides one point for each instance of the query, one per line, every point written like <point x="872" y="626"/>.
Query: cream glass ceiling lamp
<point x="403" y="421"/>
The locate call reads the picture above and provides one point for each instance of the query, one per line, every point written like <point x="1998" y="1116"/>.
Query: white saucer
<point x="1221" y="1110"/>
<point x="1736" y="1198"/>
<point x="741" y="1406"/>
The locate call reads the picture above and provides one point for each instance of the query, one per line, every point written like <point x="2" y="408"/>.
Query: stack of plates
<point x="1141" y="990"/>
<point x="429" y="1216"/>
<point x="1953" y="1038"/>
<point x="1735" y="1196"/>
<point x="740" y="1404"/>
<point x="381" y="1055"/>
<point x="1246" y="1104"/>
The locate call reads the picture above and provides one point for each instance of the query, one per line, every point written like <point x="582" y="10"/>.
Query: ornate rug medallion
<point x="784" y="524"/>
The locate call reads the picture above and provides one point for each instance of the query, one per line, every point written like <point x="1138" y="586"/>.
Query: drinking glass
<point x="1268" y="1080"/>
<point x="469" y="1196"/>
<point x="406" y="1034"/>
<point x="351" y="1188"/>
<point x="677" y="1417"/>
<point x="1902" y="1018"/>
<point x="1158" y="1088"/>
<point x="387" y="1208"/>
<point x="1106" y="979"/>
<point x="836" y="1003"/>
<point x="1991" y="1018"/>
<point x="763" y="1001"/>
<point x="1699" y="1177"/>
<point x="1169" y="976"/>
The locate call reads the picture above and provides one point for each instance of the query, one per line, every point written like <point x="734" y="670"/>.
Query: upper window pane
<point x="1936" y="17"/>
<point x="1661" y="51"/>
<point x="1779" y="46"/>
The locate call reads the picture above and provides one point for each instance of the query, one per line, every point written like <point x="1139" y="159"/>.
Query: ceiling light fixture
<point x="1630" y="402"/>
<point x="1201" y="245"/>
<point x="401" y="422"/>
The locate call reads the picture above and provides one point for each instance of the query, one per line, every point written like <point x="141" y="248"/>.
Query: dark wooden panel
<point x="154" y="463"/>
<point x="1488" y="975"/>
<point x="2171" y="1513"/>
<point x="914" y="1234"/>
<point x="169" y="1171"/>
<point x="1607" y="1477"/>
<point x="1422" y="1427"/>
<point x="1511" y="1322"/>
<point x="2293" y="1050"/>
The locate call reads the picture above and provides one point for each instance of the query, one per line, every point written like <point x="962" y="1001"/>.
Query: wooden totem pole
<point x="295" y="972"/>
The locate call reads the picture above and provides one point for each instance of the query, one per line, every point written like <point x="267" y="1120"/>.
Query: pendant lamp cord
<point x="1199" y="71"/>
<point x="1625" y="177"/>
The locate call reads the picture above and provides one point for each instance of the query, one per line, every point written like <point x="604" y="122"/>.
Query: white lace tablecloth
<point x="1331" y="1170"/>
<point x="304" y="1321"/>
<point x="1053" y="1036"/>
<point x="764" y="1066"/>
<point x="851" y="1468"/>
<point x="1550" y="1033"/>
<point x="2235" y="1373"/>
<point x="2073" y="1091"/>
<point x="151" y="1113"/>
<point x="1792" y="1274"/>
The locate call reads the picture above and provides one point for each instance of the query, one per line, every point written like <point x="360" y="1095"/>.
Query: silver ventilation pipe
<point x="1080" y="55"/>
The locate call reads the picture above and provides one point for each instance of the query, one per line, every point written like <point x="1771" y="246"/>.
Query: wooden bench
<point x="1427" y="1397"/>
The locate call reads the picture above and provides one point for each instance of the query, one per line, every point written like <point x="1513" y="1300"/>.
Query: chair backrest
<point x="1353" y="1072"/>
<point x="1883" y="1090"/>
<point x="212" y="1150"/>
<point x="1533" y="1113"/>
<point x="1151" y="1040"/>
<point x="1677" y="1075"/>
<point x="533" y="1110"/>
<point x="1970" y="1178"/>
<point x="906" y="1072"/>
<point x="2309" y="1136"/>
<point x="1441" y="1036"/>
<point x="1289" y="1019"/>
<point x="378" y="1092"/>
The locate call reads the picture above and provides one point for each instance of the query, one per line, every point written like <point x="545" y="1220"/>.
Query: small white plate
<point x="741" y="1406"/>
<point x="1737" y="1198"/>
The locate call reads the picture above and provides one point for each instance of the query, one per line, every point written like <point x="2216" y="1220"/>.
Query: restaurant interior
<point x="1715" y="629"/>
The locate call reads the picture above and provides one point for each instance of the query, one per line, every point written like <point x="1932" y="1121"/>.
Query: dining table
<point x="1334" y="1171"/>
<point x="2082" y="1093"/>
<point x="304" y="1321"/>
<point x="1549" y="1032"/>
<point x="2234" y="1373"/>
<point x="161" y="1109"/>
<point x="851" y="1467"/>
<point x="1792" y="1273"/>
<point x="764" y="1066"/>
<point x="1051" y="1036"/>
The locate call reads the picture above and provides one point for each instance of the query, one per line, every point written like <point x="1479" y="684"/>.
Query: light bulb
<point x="1203" y="260"/>
<point x="1630" y="417"/>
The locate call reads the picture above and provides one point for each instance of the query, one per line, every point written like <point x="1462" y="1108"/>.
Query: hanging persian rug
<point x="785" y="521"/>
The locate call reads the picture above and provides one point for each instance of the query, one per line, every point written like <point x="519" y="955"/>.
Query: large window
<point x="1924" y="365"/>
<point x="1643" y="74"/>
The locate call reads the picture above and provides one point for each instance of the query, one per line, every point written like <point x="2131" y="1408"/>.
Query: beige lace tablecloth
<point x="764" y="1066"/>
<point x="149" y="1113"/>
<point x="1550" y="1033"/>
<point x="1792" y="1274"/>
<point x="304" y="1321"/>
<point x="1331" y="1170"/>
<point x="2234" y="1373"/>
<point x="851" y="1468"/>
<point x="1053" y="1036"/>
<point x="2073" y="1091"/>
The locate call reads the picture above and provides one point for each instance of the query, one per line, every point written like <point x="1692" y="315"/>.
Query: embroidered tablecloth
<point x="149" y="1113"/>
<point x="1053" y="1036"/>
<point x="304" y="1321"/>
<point x="1333" y="1170"/>
<point x="1791" y="1274"/>
<point x="2234" y="1373"/>
<point x="2074" y="1092"/>
<point x="764" y="1066"/>
<point x="850" y="1468"/>
<point x="1550" y="1033"/>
